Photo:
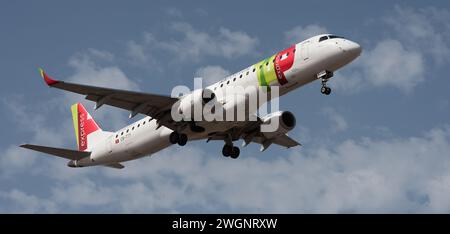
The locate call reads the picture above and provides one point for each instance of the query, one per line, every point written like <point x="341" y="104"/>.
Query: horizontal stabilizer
<point x="63" y="153"/>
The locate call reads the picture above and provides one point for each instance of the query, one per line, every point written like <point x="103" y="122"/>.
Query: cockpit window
<point x="329" y="37"/>
<point x="323" y="38"/>
<point x="334" y="36"/>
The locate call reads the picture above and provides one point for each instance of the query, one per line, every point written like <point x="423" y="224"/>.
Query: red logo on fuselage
<point x="283" y="62"/>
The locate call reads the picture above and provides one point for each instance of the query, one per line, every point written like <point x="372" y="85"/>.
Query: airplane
<point x="316" y="58"/>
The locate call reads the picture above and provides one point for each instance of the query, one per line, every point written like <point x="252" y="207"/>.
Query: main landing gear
<point x="179" y="138"/>
<point x="230" y="151"/>
<point x="324" y="76"/>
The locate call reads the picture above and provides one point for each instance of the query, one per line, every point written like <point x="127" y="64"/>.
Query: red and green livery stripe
<point x="273" y="68"/>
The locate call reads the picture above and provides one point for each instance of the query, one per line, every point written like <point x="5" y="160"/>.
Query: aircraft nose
<point x="353" y="48"/>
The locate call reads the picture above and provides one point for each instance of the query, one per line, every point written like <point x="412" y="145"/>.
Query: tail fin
<point x="83" y="124"/>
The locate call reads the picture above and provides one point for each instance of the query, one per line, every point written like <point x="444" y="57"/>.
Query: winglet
<point x="46" y="78"/>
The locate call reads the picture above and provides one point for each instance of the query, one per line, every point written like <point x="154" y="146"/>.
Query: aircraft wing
<point x="282" y="140"/>
<point x="286" y="141"/>
<point x="251" y="132"/>
<point x="152" y="105"/>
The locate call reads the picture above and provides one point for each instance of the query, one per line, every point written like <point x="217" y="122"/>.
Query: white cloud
<point x="40" y="126"/>
<point x="82" y="193"/>
<point x="390" y="64"/>
<point x="426" y="29"/>
<point x="101" y="54"/>
<point x="174" y="12"/>
<point x="211" y="74"/>
<point x="394" y="174"/>
<point x="349" y="81"/>
<point x="417" y="41"/>
<point x="439" y="189"/>
<point x="235" y="43"/>
<point x="300" y="33"/>
<point x="194" y="45"/>
<point x="14" y="159"/>
<point x="88" y="72"/>
<point x="20" y="202"/>
<point x="362" y="175"/>
<point x="48" y="122"/>
<point x="338" y="122"/>
<point x="136" y="52"/>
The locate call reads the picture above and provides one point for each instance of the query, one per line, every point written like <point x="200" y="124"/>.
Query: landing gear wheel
<point x="174" y="137"/>
<point x="182" y="139"/>
<point x="325" y="90"/>
<point x="227" y="150"/>
<point x="235" y="153"/>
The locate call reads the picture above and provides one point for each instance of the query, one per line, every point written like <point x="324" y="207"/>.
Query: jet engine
<point x="277" y="123"/>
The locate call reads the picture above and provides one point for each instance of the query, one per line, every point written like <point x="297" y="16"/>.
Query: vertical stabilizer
<point x="83" y="124"/>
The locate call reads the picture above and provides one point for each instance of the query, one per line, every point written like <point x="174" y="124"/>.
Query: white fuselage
<point x="143" y="137"/>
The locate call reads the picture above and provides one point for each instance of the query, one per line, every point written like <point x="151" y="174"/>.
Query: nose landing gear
<point x="325" y="89"/>
<point x="324" y="76"/>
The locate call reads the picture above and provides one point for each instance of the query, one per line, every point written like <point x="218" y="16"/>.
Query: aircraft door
<point x="304" y="51"/>
<point x="109" y="143"/>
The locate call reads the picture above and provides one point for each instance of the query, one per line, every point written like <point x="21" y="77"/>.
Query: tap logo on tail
<point x="83" y="124"/>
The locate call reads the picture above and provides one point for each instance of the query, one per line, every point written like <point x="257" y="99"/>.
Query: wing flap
<point x="285" y="140"/>
<point x="59" y="152"/>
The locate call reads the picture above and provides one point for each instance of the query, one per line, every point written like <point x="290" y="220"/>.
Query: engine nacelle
<point x="286" y="122"/>
<point x="194" y="102"/>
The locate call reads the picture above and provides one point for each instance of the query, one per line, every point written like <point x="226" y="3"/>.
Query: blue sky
<point x="380" y="143"/>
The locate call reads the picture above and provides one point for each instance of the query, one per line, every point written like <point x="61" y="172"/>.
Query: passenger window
<point x="128" y="130"/>
<point x="121" y="133"/>
<point x="267" y="64"/>
<point x="139" y="125"/>
<point x="254" y="69"/>
<point x="240" y="76"/>
<point x="221" y="85"/>
<point x="247" y="73"/>
<point x="228" y="82"/>
<point x="234" y="79"/>
<point x="117" y="135"/>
